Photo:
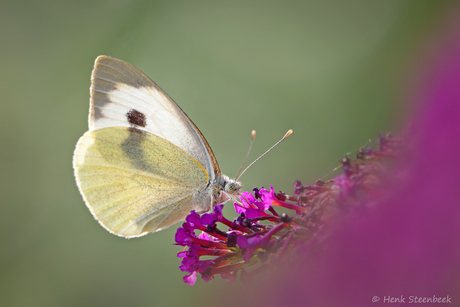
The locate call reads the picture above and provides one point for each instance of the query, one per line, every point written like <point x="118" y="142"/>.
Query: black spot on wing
<point x="136" y="118"/>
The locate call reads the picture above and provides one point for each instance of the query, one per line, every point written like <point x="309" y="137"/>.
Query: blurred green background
<point x="333" y="71"/>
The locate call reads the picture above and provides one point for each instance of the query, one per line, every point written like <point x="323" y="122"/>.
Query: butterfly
<point x="143" y="165"/>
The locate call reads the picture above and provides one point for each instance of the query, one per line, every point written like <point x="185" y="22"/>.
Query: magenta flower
<point x="247" y="242"/>
<point x="190" y="278"/>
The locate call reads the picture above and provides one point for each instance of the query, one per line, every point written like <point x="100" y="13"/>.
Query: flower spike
<point x="259" y="236"/>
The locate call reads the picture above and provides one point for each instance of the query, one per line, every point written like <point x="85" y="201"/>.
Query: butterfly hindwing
<point x="135" y="182"/>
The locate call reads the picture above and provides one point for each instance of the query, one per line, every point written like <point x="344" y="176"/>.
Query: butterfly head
<point x="225" y="189"/>
<point x="232" y="188"/>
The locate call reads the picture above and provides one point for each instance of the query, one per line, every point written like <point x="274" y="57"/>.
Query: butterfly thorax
<point x="217" y="192"/>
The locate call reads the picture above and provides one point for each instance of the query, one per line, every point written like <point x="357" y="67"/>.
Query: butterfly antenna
<point x="282" y="139"/>
<point x="249" y="151"/>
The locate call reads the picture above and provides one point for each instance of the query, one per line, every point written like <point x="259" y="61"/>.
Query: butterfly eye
<point x="232" y="187"/>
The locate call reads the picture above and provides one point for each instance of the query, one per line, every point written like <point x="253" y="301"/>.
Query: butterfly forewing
<point x="121" y="95"/>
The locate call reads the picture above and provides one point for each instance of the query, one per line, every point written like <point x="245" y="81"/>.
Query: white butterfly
<point x="143" y="165"/>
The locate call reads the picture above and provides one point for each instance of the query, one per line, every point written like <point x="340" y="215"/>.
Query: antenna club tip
<point x="253" y="133"/>
<point x="288" y="133"/>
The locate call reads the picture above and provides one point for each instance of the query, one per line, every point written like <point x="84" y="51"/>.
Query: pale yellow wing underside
<point x="135" y="182"/>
